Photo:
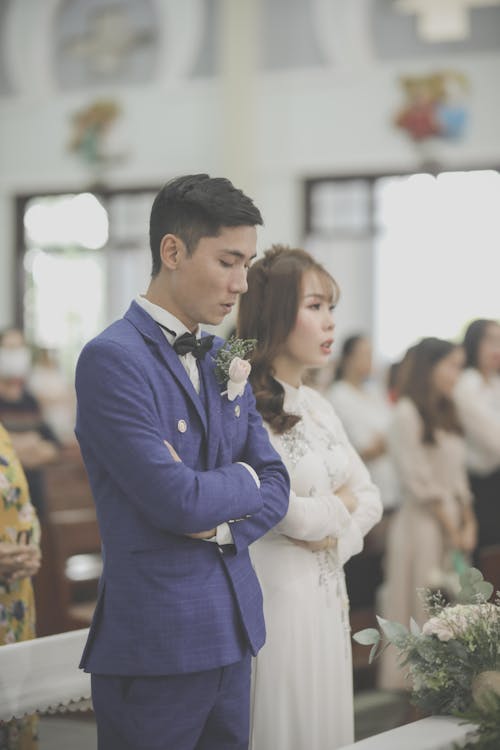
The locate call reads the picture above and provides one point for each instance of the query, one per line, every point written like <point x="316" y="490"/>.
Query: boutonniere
<point x="232" y="367"/>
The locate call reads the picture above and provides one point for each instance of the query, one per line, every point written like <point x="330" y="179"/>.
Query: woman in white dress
<point x="477" y="396"/>
<point x="365" y="411"/>
<point x="302" y="697"/>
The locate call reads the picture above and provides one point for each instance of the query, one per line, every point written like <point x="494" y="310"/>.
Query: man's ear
<point x="171" y="250"/>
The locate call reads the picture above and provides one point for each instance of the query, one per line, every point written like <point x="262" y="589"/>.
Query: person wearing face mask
<point x="33" y="440"/>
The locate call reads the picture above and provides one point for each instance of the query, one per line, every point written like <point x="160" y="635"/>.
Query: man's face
<point x="206" y="285"/>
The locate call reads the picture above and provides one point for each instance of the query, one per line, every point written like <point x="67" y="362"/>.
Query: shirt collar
<point x="293" y="396"/>
<point x="165" y="318"/>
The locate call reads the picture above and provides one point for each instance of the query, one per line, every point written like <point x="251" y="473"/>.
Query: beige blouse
<point x="428" y="472"/>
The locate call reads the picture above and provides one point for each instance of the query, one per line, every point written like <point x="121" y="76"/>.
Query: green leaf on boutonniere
<point x="233" y="348"/>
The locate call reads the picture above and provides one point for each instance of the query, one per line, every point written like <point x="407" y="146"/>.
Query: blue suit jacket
<point x="169" y="604"/>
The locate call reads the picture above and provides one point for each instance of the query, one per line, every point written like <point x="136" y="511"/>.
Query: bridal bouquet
<point x="453" y="661"/>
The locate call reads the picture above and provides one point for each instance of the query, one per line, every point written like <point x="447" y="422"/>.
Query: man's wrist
<point x="252" y="471"/>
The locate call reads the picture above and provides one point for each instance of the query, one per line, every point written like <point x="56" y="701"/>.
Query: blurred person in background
<point x="477" y="397"/>
<point x="302" y="692"/>
<point x="19" y="560"/>
<point x="365" y="412"/>
<point x="35" y="443"/>
<point x="57" y="398"/>
<point x="433" y="533"/>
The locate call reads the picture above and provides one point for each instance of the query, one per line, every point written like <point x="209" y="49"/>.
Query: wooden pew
<point x="66" y="586"/>
<point x="489" y="564"/>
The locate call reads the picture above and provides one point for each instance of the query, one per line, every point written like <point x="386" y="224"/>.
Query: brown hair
<point x="474" y="335"/>
<point x="268" y="312"/>
<point x="414" y="376"/>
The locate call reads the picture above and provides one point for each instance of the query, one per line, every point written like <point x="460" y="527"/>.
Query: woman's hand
<point x="329" y="542"/>
<point x="450" y="531"/>
<point x="348" y="498"/>
<point x="468" y="534"/>
<point x="377" y="448"/>
<point x="18" y="560"/>
<point x="32" y="450"/>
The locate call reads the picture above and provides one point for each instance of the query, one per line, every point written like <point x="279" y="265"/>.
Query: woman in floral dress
<point x="302" y="694"/>
<point x="19" y="560"/>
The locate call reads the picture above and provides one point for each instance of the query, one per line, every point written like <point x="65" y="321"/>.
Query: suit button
<point x="182" y="425"/>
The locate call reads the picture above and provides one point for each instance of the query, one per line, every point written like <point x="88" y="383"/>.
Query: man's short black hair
<point x="196" y="206"/>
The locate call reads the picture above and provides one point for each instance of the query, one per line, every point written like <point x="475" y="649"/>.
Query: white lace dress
<point x="302" y="678"/>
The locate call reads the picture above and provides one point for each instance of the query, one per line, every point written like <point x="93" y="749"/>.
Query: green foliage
<point x="368" y="637"/>
<point x="473" y="587"/>
<point x="456" y="644"/>
<point x="487" y="719"/>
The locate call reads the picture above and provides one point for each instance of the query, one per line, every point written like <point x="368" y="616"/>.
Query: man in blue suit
<point x="184" y="480"/>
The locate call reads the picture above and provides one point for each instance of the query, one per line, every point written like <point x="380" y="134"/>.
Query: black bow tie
<point x="189" y="343"/>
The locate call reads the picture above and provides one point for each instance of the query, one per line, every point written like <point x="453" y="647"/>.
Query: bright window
<point x="437" y="256"/>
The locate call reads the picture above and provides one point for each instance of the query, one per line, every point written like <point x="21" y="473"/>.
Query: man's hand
<point x="203" y="534"/>
<point x="200" y="534"/>
<point x="329" y="542"/>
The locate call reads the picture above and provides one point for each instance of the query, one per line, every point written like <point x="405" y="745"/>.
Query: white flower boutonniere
<point x="231" y="367"/>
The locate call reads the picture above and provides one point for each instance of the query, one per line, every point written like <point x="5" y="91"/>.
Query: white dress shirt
<point x="164" y="318"/>
<point x="478" y="405"/>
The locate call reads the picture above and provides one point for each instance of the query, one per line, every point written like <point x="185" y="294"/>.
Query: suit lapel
<point x="214" y="409"/>
<point x="178" y="370"/>
<point x="151" y="331"/>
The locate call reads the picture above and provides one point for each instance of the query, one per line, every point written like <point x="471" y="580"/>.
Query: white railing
<point x="42" y="675"/>
<point x="433" y="733"/>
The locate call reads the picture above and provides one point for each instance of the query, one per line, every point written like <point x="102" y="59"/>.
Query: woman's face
<point x="488" y="354"/>
<point x="309" y="344"/>
<point x="447" y="371"/>
<point x="361" y="358"/>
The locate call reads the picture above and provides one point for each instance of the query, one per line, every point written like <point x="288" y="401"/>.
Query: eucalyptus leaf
<point x="414" y="627"/>
<point x="373" y="653"/>
<point x="394" y="631"/>
<point x="470" y="576"/>
<point x="485" y="589"/>
<point x="367" y="637"/>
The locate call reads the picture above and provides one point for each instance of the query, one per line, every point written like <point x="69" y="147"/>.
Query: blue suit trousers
<point x="196" y="711"/>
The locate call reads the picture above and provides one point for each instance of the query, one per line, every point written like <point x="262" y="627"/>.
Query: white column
<point x="238" y="58"/>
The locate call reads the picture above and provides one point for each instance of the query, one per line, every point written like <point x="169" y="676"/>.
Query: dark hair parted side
<point x="475" y="333"/>
<point x="196" y="206"/>
<point x="414" y="376"/>
<point x="268" y="312"/>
